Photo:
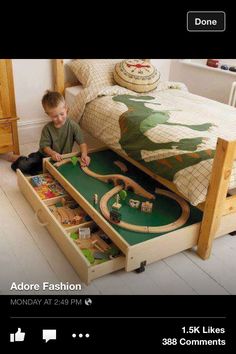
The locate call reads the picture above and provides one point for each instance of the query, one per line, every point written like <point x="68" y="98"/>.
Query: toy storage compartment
<point x="90" y="209"/>
<point x="67" y="212"/>
<point x="102" y="254"/>
<point x="61" y="235"/>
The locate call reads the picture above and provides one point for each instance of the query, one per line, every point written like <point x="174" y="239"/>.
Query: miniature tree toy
<point x="88" y="254"/>
<point x="74" y="160"/>
<point x="74" y="235"/>
<point x="122" y="194"/>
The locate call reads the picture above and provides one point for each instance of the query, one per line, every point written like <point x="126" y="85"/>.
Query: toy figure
<point x="117" y="205"/>
<point x="115" y="216"/>
<point x="95" y="198"/>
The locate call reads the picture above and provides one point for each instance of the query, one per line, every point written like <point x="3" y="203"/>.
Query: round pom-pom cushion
<point x="136" y="75"/>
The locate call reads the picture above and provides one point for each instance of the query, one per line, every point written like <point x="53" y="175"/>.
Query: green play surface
<point x="165" y="210"/>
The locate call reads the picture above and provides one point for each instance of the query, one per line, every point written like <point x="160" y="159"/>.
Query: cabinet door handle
<point x="38" y="220"/>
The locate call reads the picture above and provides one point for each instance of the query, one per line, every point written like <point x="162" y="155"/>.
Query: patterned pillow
<point x="94" y="71"/>
<point x="137" y="75"/>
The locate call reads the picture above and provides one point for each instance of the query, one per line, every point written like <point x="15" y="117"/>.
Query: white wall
<point x="163" y="65"/>
<point x="212" y="84"/>
<point x="32" y="77"/>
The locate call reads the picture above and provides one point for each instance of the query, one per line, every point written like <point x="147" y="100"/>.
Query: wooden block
<point x="95" y="244"/>
<point x="121" y="165"/>
<point x="84" y="243"/>
<point x="70" y="214"/>
<point x="54" y="212"/>
<point x="62" y="162"/>
<point x="63" y="215"/>
<point x="102" y="244"/>
<point x="84" y="233"/>
<point x="77" y="220"/>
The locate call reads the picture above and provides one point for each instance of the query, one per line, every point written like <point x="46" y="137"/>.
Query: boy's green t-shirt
<point x="61" y="139"/>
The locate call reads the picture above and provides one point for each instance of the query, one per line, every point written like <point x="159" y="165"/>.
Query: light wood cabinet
<point x="8" y="118"/>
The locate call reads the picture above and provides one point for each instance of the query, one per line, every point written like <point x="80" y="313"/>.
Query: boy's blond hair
<point x="52" y="99"/>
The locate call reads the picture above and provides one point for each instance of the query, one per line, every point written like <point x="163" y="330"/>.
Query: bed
<point x="205" y="144"/>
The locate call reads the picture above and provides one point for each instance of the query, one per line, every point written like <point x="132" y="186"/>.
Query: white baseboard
<point x="30" y="131"/>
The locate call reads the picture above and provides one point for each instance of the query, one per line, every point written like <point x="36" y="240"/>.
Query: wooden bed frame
<point x="218" y="205"/>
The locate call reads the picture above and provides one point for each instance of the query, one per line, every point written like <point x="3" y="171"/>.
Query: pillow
<point x="137" y="75"/>
<point x="94" y="71"/>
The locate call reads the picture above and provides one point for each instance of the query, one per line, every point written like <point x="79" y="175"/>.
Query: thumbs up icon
<point x="18" y="336"/>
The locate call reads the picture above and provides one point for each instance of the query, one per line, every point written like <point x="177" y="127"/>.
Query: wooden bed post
<point x="58" y="72"/>
<point x="216" y="196"/>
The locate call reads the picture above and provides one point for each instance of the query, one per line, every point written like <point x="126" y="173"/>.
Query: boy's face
<point x="58" y="114"/>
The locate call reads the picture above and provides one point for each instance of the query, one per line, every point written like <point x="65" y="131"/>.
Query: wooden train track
<point x="147" y="229"/>
<point x="129" y="183"/>
<point x="120" y="180"/>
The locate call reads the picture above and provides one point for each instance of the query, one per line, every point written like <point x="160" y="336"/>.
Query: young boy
<point x="57" y="137"/>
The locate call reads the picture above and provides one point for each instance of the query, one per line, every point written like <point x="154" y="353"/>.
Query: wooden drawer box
<point x="136" y="252"/>
<point x="138" y="249"/>
<point x="61" y="235"/>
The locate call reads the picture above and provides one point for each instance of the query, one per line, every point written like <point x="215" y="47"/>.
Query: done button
<point x="206" y="21"/>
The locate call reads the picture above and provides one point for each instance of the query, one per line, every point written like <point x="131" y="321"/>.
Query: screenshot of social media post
<point x="118" y="191"/>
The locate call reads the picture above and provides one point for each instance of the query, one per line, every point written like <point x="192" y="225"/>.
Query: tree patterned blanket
<point x="169" y="130"/>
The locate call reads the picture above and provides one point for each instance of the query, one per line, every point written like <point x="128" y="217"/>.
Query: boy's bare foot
<point x="9" y="157"/>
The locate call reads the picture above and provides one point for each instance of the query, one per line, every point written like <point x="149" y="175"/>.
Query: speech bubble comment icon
<point x="49" y="334"/>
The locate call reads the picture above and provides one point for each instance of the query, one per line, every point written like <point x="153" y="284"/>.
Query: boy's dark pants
<point x="31" y="165"/>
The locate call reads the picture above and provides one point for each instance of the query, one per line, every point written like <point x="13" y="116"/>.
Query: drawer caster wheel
<point x="141" y="268"/>
<point x="233" y="233"/>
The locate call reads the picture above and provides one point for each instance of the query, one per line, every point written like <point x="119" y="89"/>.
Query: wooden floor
<point x="29" y="254"/>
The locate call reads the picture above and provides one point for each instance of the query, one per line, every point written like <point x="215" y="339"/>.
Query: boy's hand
<point x="56" y="157"/>
<point x="85" y="159"/>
